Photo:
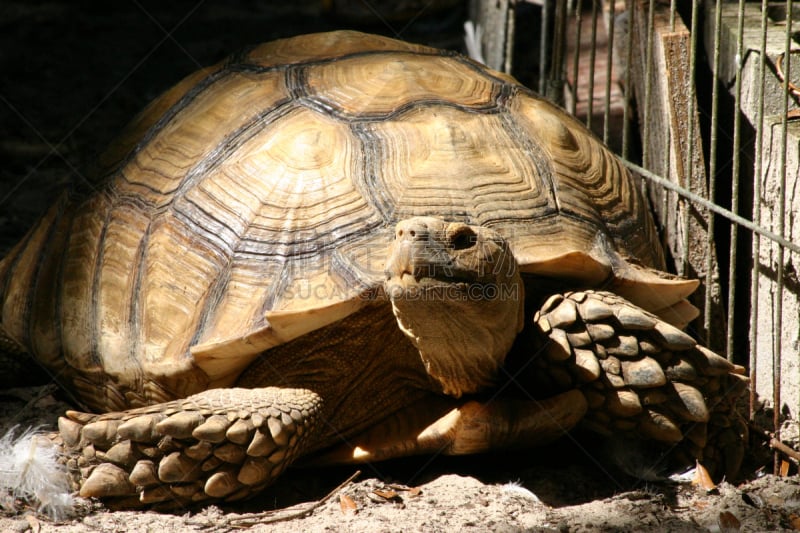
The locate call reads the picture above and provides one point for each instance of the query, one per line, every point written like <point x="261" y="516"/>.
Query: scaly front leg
<point x="643" y="377"/>
<point x="218" y="445"/>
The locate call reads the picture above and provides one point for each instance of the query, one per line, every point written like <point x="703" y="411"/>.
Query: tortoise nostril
<point x="412" y="230"/>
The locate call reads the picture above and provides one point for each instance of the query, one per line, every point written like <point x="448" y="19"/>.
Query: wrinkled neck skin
<point x="462" y="308"/>
<point x="460" y="348"/>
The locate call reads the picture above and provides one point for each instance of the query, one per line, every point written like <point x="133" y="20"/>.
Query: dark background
<point x="73" y="73"/>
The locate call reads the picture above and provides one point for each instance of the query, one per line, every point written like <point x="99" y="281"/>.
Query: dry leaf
<point x="794" y="520"/>
<point x="702" y="478"/>
<point x="728" y="523"/>
<point x="784" y="468"/>
<point x="33" y="523"/>
<point x="386" y="494"/>
<point x="412" y="491"/>
<point x="347" y="505"/>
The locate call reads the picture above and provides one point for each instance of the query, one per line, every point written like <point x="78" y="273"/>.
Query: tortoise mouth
<point x="424" y="285"/>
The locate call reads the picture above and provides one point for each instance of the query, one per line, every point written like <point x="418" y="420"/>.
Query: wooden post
<point x="495" y="19"/>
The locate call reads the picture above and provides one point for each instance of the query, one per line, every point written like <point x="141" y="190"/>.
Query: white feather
<point x="30" y="473"/>
<point x="515" y="488"/>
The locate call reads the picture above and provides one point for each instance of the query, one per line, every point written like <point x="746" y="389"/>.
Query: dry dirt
<point x="71" y="74"/>
<point x="570" y="486"/>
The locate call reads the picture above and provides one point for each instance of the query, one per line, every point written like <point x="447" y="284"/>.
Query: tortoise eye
<point x="463" y="238"/>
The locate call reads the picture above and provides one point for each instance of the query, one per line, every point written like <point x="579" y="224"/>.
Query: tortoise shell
<point x="254" y="202"/>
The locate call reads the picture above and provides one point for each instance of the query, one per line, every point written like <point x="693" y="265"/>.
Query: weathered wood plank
<point x="495" y="21"/>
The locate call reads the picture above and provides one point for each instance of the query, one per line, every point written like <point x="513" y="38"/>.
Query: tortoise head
<point x="457" y="294"/>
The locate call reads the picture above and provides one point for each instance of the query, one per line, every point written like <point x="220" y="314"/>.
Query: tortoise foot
<point x="219" y="445"/>
<point x="644" y="378"/>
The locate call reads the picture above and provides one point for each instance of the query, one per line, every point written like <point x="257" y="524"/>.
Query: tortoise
<point x="346" y="247"/>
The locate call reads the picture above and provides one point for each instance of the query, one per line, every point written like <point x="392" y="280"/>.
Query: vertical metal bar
<point x="712" y="170"/>
<point x="509" y="48"/>
<point x="672" y="12"/>
<point x="758" y="169"/>
<point x="630" y="7"/>
<point x="610" y="62"/>
<point x="576" y="56"/>
<point x="690" y="147"/>
<point x="669" y="195"/>
<point x="556" y="86"/>
<point x="645" y="126"/>
<point x="778" y="338"/>
<point x="737" y="100"/>
<point x="648" y="83"/>
<point x="543" y="47"/>
<point x="592" y="55"/>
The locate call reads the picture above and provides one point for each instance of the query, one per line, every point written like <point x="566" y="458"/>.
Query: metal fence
<point x="698" y="99"/>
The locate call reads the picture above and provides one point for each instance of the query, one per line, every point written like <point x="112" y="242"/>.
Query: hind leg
<point x="442" y="425"/>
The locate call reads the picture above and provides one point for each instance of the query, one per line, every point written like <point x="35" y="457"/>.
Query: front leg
<point x="218" y="445"/>
<point x="642" y="377"/>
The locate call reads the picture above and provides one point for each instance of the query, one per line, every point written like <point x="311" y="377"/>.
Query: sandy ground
<point x="73" y="73"/>
<point x="462" y="503"/>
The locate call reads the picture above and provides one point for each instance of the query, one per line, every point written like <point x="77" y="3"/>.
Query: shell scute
<point x="361" y="87"/>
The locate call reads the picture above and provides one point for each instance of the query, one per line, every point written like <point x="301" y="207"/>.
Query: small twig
<point x="279" y="515"/>
<point x="784" y="449"/>
<point x="775" y="444"/>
